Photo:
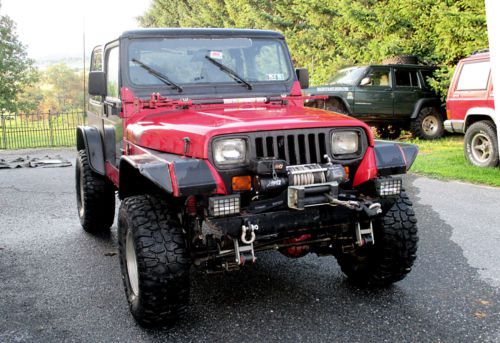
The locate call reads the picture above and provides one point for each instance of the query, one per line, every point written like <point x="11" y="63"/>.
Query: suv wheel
<point x="394" y="251"/>
<point x="480" y="144"/>
<point x="335" y="105"/>
<point x="95" y="197"/>
<point x="428" y="124"/>
<point x="389" y="132"/>
<point x="154" y="260"/>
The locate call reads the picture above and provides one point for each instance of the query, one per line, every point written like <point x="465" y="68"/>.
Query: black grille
<point x="296" y="147"/>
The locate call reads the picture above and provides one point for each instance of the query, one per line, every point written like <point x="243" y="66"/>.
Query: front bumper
<point x="454" y="126"/>
<point x="285" y="221"/>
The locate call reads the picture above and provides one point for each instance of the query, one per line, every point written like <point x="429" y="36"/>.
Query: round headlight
<point x="229" y="151"/>
<point x="345" y="142"/>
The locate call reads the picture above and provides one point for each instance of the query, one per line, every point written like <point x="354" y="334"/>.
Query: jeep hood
<point x="168" y="131"/>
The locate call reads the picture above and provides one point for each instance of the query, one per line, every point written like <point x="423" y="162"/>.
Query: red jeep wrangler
<point x="204" y="135"/>
<point x="471" y="110"/>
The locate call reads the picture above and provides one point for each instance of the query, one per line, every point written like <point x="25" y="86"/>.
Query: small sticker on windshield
<point x="276" y="77"/>
<point x="216" y="55"/>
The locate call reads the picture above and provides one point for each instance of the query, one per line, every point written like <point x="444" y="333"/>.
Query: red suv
<point x="470" y="109"/>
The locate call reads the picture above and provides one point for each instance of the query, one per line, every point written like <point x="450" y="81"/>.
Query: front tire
<point x="428" y="124"/>
<point x="154" y="260"/>
<point x="480" y="144"/>
<point x="391" y="258"/>
<point x="389" y="131"/>
<point x="95" y="197"/>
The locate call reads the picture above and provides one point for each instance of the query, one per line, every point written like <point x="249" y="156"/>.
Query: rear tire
<point x="481" y="144"/>
<point x="154" y="260"/>
<point x="95" y="197"/>
<point x="391" y="258"/>
<point x="428" y="124"/>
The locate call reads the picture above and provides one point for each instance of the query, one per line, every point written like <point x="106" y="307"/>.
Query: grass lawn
<point x="444" y="158"/>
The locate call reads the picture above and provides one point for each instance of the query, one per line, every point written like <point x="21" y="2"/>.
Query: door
<point x="95" y="103"/>
<point x="113" y="125"/>
<point x="407" y="91"/>
<point x="373" y="98"/>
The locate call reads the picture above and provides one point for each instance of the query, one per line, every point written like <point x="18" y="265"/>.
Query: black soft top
<point x="200" y="32"/>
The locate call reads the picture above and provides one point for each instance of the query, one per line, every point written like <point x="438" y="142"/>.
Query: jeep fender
<point x="478" y="113"/>
<point x="425" y="102"/>
<point x="89" y="138"/>
<point x="384" y="159"/>
<point x="173" y="174"/>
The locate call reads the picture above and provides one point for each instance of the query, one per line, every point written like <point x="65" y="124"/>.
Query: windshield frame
<point x="214" y="89"/>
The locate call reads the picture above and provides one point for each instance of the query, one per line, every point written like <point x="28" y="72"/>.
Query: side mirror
<point x="97" y="83"/>
<point x="365" y="81"/>
<point x="303" y="77"/>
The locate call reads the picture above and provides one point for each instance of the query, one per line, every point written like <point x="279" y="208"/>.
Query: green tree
<point x="327" y="35"/>
<point x="17" y="72"/>
<point x="61" y="88"/>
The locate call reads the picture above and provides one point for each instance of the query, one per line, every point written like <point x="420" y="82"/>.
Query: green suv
<point x="389" y="97"/>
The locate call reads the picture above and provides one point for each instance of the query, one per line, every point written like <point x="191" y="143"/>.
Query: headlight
<point x="345" y="142"/>
<point x="230" y="151"/>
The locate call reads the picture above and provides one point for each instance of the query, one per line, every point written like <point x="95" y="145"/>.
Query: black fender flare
<point x="394" y="158"/>
<point x="173" y="174"/>
<point x="89" y="138"/>
<point x="425" y="102"/>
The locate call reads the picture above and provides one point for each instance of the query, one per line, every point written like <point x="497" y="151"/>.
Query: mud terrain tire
<point x="401" y="59"/>
<point x="154" y="260"/>
<point x="392" y="256"/>
<point x="95" y="197"/>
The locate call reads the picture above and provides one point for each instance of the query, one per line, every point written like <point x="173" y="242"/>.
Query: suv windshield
<point x="347" y="76"/>
<point x="190" y="60"/>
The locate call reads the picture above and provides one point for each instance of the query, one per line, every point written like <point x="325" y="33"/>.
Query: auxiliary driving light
<point x="388" y="186"/>
<point x="219" y="206"/>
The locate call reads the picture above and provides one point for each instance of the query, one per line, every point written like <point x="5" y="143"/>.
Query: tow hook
<point x="245" y="253"/>
<point x="364" y="236"/>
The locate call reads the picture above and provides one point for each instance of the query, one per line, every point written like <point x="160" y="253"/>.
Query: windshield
<point x="347" y="76"/>
<point x="191" y="61"/>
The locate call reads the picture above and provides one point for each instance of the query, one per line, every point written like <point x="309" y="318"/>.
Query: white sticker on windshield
<point x="216" y="55"/>
<point x="276" y="77"/>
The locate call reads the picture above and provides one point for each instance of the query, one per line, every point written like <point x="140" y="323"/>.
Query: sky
<point x="53" y="29"/>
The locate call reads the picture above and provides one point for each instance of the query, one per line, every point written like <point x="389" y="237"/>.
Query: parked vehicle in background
<point x="390" y="97"/>
<point x="204" y="134"/>
<point x="471" y="110"/>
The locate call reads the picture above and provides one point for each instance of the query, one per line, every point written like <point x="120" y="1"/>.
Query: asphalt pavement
<point x="60" y="284"/>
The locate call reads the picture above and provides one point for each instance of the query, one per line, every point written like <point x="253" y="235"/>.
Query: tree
<point x="60" y="88"/>
<point x="327" y="35"/>
<point x="17" y="72"/>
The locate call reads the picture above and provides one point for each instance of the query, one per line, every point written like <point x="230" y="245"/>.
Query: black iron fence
<point x="19" y="131"/>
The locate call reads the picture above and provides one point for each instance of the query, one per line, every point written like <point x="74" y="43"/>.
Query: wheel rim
<point x="430" y="125"/>
<point x="481" y="148"/>
<point x="132" y="271"/>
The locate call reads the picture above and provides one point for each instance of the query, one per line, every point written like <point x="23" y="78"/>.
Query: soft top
<point x="200" y="32"/>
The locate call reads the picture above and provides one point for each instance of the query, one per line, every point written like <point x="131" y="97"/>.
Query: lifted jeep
<point x="204" y="135"/>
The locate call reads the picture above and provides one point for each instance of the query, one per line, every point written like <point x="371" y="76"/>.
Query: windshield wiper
<point x="230" y="72"/>
<point x="158" y="75"/>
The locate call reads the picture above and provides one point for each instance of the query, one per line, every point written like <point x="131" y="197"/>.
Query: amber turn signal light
<point x="242" y="183"/>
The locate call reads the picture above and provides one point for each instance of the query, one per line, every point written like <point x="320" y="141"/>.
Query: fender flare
<point x="425" y="102"/>
<point x="89" y="138"/>
<point x="172" y="174"/>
